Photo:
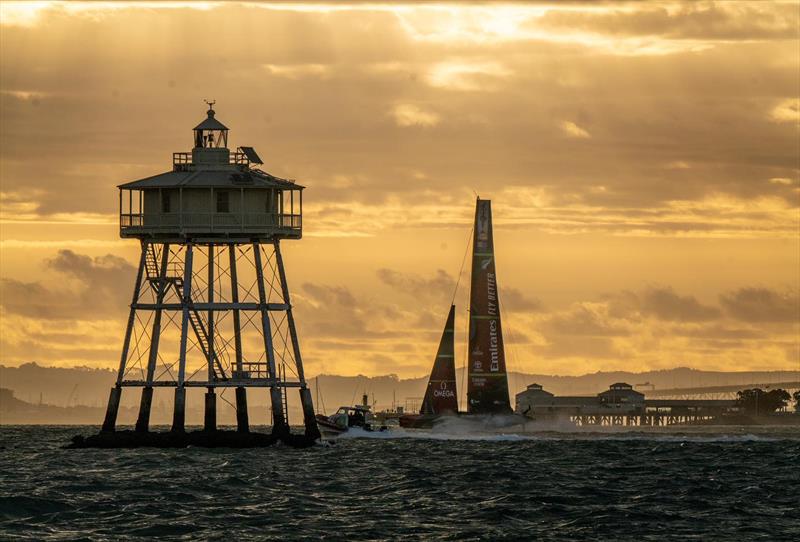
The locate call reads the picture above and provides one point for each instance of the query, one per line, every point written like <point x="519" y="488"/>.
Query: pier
<point x="620" y="405"/>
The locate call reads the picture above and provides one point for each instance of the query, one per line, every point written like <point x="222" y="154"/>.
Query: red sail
<point x="487" y="391"/>
<point x="440" y="397"/>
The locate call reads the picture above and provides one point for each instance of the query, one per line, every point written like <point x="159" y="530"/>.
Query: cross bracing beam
<point x="249" y="383"/>
<point x="219" y="306"/>
<point x="193" y="287"/>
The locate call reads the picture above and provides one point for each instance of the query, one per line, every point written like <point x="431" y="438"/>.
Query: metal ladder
<point x="196" y="321"/>
<point x="284" y="397"/>
<point x="202" y="338"/>
<point x="151" y="263"/>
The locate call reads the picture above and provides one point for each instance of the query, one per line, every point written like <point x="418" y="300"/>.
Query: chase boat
<point x="359" y="416"/>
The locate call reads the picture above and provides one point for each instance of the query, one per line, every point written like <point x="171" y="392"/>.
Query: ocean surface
<point x="714" y="484"/>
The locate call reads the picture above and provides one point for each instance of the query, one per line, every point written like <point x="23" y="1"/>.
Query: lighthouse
<point x="210" y="307"/>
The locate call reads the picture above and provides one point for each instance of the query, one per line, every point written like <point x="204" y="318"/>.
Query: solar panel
<point x="251" y="154"/>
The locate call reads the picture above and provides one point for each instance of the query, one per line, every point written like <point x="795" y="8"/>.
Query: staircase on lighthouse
<point x="210" y="306"/>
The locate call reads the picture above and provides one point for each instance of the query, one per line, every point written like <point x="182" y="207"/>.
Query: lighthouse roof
<point x="210" y="123"/>
<point x="217" y="178"/>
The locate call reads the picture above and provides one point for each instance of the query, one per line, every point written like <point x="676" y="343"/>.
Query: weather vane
<point x="210" y="104"/>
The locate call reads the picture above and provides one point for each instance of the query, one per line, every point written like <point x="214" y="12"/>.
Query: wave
<point x="459" y="433"/>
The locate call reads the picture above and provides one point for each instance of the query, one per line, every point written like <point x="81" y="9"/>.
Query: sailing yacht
<point x="487" y="380"/>
<point x="440" y="398"/>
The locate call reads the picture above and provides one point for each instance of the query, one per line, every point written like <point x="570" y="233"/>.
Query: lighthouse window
<point x="165" y="208"/>
<point x="223" y="202"/>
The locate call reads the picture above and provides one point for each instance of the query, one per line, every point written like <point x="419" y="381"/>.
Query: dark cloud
<point x="99" y="291"/>
<point x="705" y="108"/>
<point x="624" y="304"/>
<point x="515" y="301"/>
<point x="581" y="346"/>
<point x="717" y="331"/>
<point x="665" y="304"/>
<point x="583" y="320"/>
<point x="660" y="302"/>
<point x="622" y="119"/>
<point x="331" y="296"/>
<point x="334" y="312"/>
<point x="762" y="305"/>
<point x="703" y="21"/>
<point x="439" y="286"/>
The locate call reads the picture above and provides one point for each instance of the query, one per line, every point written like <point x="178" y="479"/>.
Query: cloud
<point x="25" y="95"/>
<point x="410" y="115"/>
<point x="679" y="164"/>
<point x="713" y="21"/>
<point x="787" y="111"/>
<point x="662" y="303"/>
<point x="324" y="295"/>
<point x="333" y="100"/>
<point x="515" y="301"/>
<point x="753" y="304"/>
<point x="584" y="319"/>
<point x="665" y="304"/>
<point x="467" y="76"/>
<point x="297" y="71"/>
<point x="99" y="290"/>
<point x="439" y="286"/>
<point x="718" y="331"/>
<point x="573" y="130"/>
<point x="591" y="347"/>
<point x="689" y="108"/>
<point x="335" y="313"/>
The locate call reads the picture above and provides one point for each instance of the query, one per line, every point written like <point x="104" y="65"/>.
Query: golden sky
<point x="642" y="158"/>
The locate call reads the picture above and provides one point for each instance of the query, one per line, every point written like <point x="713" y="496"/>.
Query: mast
<point x="440" y="396"/>
<point x="487" y="389"/>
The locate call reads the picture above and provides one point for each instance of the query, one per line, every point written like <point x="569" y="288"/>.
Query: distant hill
<point x="87" y="387"/>
<point x="14" y="411"/>
<point x="339" y="390"/>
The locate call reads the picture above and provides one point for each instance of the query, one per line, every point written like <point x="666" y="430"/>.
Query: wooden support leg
<point x="110" y="423"/>
<point x="280" y="427"/>
<point x="179" y="414"/>
<point x="309" y="419"/>
<point x="242" y="421"/>
<point x="143" y="423"/>
<point x="211" y="412"/>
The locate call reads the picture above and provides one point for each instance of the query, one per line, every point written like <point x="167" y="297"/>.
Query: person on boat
<point x="341" y="419"/>
<point x="357" y="418"/>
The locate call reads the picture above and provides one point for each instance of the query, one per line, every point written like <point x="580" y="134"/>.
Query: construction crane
<point x="71" y="394"/>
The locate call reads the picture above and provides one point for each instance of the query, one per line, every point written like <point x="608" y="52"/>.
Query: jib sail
<point x="440" y="397"/>
<point x="487" y="391"/>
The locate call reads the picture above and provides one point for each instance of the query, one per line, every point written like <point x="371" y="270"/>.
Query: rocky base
<point x="205" y="439"/>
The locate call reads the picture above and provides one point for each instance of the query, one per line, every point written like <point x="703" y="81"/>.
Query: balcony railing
<point x="212" y="223"/>
<point x="182" y="160"/>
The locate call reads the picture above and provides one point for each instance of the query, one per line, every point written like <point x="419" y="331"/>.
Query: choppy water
<point x="706" y="486"/>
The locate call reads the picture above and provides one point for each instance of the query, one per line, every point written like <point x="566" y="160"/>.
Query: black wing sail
<point x="440" y="396"/>
<point x="487" y="391"/>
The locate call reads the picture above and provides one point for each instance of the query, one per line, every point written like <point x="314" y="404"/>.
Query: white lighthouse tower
<point x="211" y="306"/>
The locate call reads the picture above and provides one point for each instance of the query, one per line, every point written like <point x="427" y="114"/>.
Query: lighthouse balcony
<point x="188" y="225"/>
<point x="185" y="213"/>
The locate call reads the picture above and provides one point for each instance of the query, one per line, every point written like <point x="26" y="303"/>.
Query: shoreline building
<point x="620" y="404"/>
<point x="211" y="306"/>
